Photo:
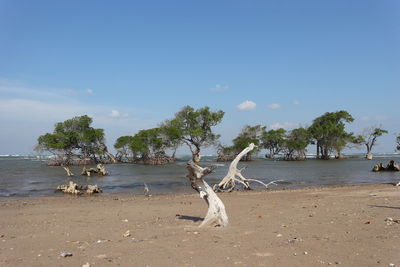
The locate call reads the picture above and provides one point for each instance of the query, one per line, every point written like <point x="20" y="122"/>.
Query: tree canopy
<point x="295" y="143"/>
<point x="369" y="138"/>
<point x="248" y="135"/>
<point x="194" y="128"/>
<point x="328" y="132"/>
<point x="74" y="137"/>
<point x="273" y="141"/>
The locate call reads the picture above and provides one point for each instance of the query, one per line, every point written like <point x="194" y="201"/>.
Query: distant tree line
<point x="74" y="141"/>
<point x="189" y="127"/>
<point x="327" y="133"/>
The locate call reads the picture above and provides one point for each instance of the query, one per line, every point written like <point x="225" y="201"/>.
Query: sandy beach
<point x="344" y="226"/>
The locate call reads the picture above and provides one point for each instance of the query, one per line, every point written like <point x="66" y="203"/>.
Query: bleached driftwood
<point x="68" y="170"/>
<point x="76" y="189"/>
<point x="234" y="175"/>
<point x="146" y="190"/>
<point x="216" y="214"/>
<point x="100" y="170"/>
<point x="398" y="184"/>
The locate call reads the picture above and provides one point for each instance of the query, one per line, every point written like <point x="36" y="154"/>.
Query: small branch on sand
<point x="234" y="175"/>
<point x="146" y="190"/>
<point x="216" y="214"/>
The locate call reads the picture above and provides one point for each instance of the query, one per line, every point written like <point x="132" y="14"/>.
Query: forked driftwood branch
<point x="216" y="214"/>
<point x="234" y="175"/>
<point x="68" y="170"/>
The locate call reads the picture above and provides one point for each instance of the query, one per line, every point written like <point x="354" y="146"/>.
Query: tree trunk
<point x="196" y="154"/>
<point x="216" y="214"/>
<point x="196" y="157"/>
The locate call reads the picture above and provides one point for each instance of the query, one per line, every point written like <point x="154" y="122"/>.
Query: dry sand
<point x="305" y="227"/>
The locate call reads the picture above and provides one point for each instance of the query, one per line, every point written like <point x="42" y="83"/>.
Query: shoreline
<point x="58" y="194"/>
<point x="313" y="226"/>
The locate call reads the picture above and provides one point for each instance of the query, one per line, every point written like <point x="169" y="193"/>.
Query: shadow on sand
<point x="387" y="207"/>
<point x="189" y="218"/>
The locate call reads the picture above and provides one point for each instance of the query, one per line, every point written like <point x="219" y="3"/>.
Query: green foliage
<point x="147" y="142"/>
<point x="122" y="144"/>
<point x="171" y="133"/>
<point x="274" y="141"/>
<point x="328" y="132"/>
<point x="398" y="143"/>
<point x="295" y="144"/>
<point x="73" y="137"/>
<point x="248" y="135"/>
<point x="193" y="127"/>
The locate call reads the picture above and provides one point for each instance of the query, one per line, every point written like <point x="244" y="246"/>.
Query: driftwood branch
<point x="99" y="170"/>
<point x="68" y="170"/>
<point x="234" y="175"/>
<point x="146" y="190"/>
<point x="216" y="214"/>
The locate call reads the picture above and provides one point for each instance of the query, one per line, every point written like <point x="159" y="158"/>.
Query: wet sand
<point x="304" y="227"/>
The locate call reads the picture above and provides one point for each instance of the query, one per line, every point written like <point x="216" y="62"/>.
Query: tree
<point x="248" y="135"/>
<point x="122" y="144"/>
<point x="328" y="132"/>
<point x="171" y="135"/>
<point x="274" y="141"/>
<point x="148" y="143"/>
<point x="74" y="138"/>
<point x="148" y="146"/>
<point x="369" y="137"/>
<point x="193" y="128"/>
<point x="398" y="143"/>
<point x="296" y="141"/>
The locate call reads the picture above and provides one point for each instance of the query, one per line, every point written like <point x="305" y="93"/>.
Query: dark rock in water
<point x="76" y="189"/>
<point x="392" y="166"/>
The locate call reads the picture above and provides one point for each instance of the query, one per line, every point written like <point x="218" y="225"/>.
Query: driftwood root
<point x="234" y="175"/>
<point x="216" y="214"/>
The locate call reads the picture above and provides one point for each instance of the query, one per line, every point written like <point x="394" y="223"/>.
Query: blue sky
<point x="132" y="64"/>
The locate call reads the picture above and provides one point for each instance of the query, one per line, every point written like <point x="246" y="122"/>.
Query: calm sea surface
<point x="28" y="178"/>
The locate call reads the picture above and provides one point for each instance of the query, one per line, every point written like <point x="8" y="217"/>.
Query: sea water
<point x="27" y="178"/>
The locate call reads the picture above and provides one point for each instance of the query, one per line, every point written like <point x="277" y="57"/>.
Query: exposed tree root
<point x="234" y="175"/>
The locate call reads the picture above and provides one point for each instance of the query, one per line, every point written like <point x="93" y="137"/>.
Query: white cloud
<point x="274" y="106"/>
<point x="89" y="91"/>
<point x="220" y="88"/>
<point x="115" y="113"/>
<point x="296" y="102"/>
<point x="247" y="105"/>
<point x="284" y="125"/>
